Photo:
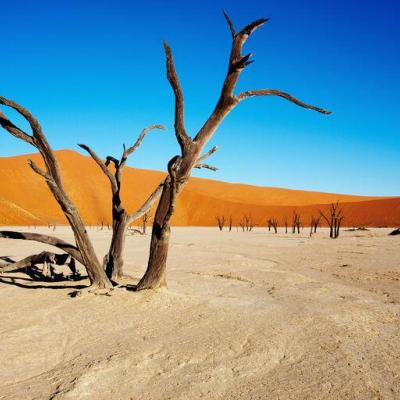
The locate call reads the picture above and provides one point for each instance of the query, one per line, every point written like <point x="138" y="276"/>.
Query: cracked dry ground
<point x="247" y="315"/>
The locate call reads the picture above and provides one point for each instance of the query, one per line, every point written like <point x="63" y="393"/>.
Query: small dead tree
<point x="286" y="225"/>
<point x="296" y="222"/>
<point x="121" y="219"/>
<point x="180" y="166"/>
<point x="230" y="224"/>
<point x="145" y="220"/>
<point x="334" y="219"/>
<point x="273" y="223"/>
<point x="315" y="221"/>
<point x="248" y="223"/>
<point x="221" y="222"/>
<point x="51" y="174"/>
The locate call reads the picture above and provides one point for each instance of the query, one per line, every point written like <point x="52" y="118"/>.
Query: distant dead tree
<point x="296" y="222"/>
<point x="286" y="224"/>
<point x="230" y="223"/>
<point x="146" y="219"/>
<point x="113" y="261"/>
<point x="315" y="221"/>
<point x="273" y="223"/>
<point x="334" y="219"/>
<point x="180" y="166"/>
<point x="83" y="251"/>
<point x="248" y="223"/>
<point x="221" y="222"/>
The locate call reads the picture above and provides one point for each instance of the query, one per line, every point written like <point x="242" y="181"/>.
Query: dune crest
<point x="26" y="200"/>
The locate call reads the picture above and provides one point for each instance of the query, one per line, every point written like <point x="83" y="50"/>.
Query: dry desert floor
<point x="247" y="315"/>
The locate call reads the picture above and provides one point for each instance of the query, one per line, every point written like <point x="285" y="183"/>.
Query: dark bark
<point x="180" y="167"/>
<point x="51" y="174"/>
<point x="221" y="222"/>
<point x="334" y="220"/>
<point x="113" y="260"/>
<point x="155" y="274"/>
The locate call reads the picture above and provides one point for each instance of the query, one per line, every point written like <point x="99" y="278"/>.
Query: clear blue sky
<point x="94" y="72"/>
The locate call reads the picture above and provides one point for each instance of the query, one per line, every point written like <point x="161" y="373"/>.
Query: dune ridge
<point x="26" y="200"/>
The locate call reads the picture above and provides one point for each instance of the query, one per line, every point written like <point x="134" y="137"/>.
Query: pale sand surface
<point x="246" y="316"/>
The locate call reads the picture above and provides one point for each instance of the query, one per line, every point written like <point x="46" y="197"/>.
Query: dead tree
<point x="296" y="222"/>
<point x="315" y="221"/>
<point x="51" y="174"/>
<point x="334" y="220"/>
<point x="230" y="224"/>
<point x="221" y="222"/>
<point x="180" y="166"/>
<point x="273" y="223"/>
<point x="121" y="219"/>
<point x="248" y="223"/>
<point x="146" y="219"/>
<point x="286" y="225"/>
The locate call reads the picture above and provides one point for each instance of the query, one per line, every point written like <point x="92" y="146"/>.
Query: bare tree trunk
<point x="154" y="276"/>
<point x="113" y="261"/>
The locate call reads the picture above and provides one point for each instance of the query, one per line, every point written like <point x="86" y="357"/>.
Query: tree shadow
<point x="14" y="280"/>
<point x="7" y="259"/>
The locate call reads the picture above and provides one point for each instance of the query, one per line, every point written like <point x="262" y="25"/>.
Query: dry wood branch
<point x="183" y="138"/>
<point x="201" y="165"/>
<point x="46" y="258"/>
<point x="206" y="166"/>
<point x="146" y="206"/>
<point x="102" y="165"/>
<point x="127" y="152"/>
<point x="50" y="240"/>
<point x="287" y="96"/>
<point x="230" y="24"/>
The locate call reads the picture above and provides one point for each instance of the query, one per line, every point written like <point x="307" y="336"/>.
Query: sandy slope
<point x="25" y="198"/>
<point x="246" y="316"/>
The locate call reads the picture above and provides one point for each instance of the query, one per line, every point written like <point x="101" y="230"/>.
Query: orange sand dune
<point x="26" y="200"/>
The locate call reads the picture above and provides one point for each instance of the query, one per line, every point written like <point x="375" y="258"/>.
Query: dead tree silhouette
<point x="113" y="261"/>
<point x="180" y="166"/>
<point x="334" y="220"/>
<point x="221" y="222"/>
